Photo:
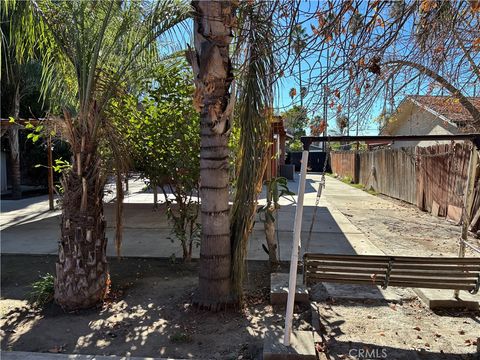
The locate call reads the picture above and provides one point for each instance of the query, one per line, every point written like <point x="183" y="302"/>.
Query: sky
<point x="314" y="104"/>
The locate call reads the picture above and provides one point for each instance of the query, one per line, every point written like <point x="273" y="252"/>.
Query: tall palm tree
<point x="92" y="48"/>
<point x="213" y="33"/>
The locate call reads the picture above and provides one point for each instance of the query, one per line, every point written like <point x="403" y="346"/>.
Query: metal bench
<point x="402" y="271"/>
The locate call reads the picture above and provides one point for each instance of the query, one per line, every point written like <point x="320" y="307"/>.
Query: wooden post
<point x="155" y="195"/>
<point x="50" y="173"/>
<point x="467" y="202"/>
<point x="297" y="229"/>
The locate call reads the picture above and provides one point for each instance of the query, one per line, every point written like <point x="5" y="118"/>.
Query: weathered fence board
<point x="390" y="172"/>
<point x="343" y="163"/>
<point x="442" y="172"/>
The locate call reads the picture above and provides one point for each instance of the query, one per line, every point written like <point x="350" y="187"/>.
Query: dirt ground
<point x="404" y="329"/>
<point x="400" y="228"/>
<point x="150" y="314"/>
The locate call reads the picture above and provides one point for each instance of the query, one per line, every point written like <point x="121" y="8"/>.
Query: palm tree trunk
<point x="82" y="278"/>
<point x="15" y="148"/>
<point x="212" y="67"/>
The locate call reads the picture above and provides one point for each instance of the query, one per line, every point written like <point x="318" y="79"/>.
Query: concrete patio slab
<point x="279" y="289"/>
<point x="441" y="299"/>
<point x="361" y="292"/>
<point x="302" y="346"/>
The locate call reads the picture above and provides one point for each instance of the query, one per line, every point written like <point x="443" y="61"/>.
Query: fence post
<point x="356" y="171"/>
<point x="467" y="203"/>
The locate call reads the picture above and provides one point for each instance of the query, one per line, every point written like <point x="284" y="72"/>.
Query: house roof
<point x="446" y="106"/>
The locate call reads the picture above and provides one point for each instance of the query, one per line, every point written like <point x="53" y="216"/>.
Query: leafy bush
<point x="163" y="133"/>
<point x="42" y="290"/>
<point x="296" y="145"/>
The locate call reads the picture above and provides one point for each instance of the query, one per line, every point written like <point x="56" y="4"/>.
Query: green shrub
<point x="42" y="290"/>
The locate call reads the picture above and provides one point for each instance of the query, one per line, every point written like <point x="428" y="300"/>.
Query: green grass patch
<point x="348" y="180"/>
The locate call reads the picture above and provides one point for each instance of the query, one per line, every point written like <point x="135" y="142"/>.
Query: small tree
<point x="296" y="121"/>
<point x="276" y="189"/>
<point x="163" y="133"/>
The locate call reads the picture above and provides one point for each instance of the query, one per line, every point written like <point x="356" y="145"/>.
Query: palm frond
<point x="254" y="111"/>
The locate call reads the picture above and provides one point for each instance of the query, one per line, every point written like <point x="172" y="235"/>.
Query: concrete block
<point x="279" y="289"/>
<point x="444" y="299"/>
<point x="316" y="327"/>
<point x="302" y="346"/>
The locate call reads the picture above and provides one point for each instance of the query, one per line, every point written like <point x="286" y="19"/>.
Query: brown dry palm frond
<point x="254" y="110"/>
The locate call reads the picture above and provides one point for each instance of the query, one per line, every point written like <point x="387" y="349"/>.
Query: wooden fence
<point x="390" y="172"/>
<point x="432" y="178"/>
<point x="442" y="172"/>
<point x="344" y="164"/>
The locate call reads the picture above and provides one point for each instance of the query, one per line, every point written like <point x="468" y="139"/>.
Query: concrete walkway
<point x="27" y="227"/>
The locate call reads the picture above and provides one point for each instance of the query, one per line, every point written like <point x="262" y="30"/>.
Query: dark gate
<point x="316" y="160"/>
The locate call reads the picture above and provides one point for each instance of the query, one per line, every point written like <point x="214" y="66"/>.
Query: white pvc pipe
<point x="297" y="229"/>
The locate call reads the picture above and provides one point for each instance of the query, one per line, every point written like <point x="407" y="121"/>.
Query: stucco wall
<point x="421" y="122"/>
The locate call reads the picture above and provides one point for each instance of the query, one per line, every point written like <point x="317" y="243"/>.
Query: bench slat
<point x="394" y="278"/>
<point x="443" y="267"/>
<point x="386" y="258"/>
<point x="413" y="272"/>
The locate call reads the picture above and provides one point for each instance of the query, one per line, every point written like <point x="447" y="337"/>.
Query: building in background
<point x="428" y="115"/>
<point x="277" y="149"/>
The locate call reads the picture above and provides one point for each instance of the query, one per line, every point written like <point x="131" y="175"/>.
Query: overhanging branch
<point x="466" y="103"/>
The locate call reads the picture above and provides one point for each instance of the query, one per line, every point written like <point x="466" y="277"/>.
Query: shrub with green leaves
<point x="42" y="290"/>
<point x="163" y="132"/>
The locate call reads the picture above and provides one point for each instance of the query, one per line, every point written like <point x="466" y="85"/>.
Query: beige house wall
<point x="416" y="121"/>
